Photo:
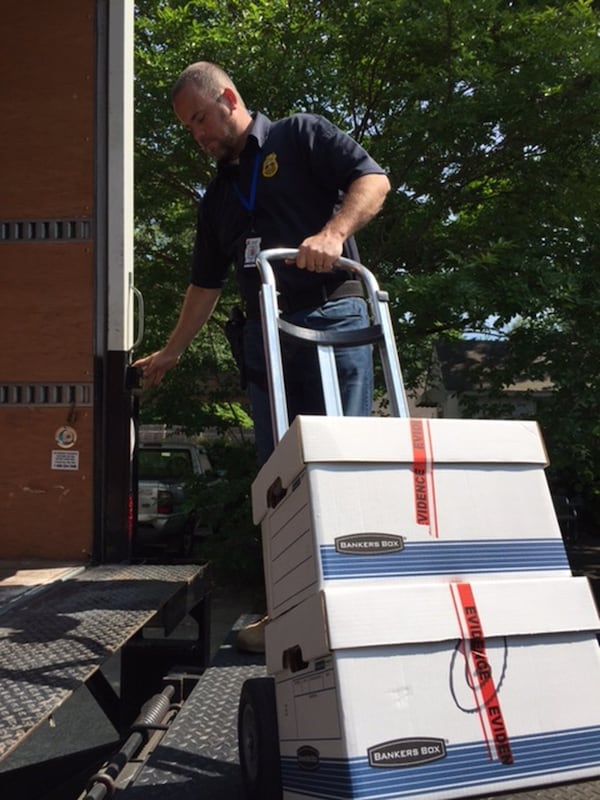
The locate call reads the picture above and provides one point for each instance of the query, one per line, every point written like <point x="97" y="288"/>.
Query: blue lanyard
<point x="248" y="202"/>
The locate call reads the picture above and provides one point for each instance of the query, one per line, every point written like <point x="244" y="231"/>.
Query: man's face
<point x="211" y="121"/>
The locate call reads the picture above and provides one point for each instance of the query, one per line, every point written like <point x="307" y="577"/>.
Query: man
<point x="294" y="183"/>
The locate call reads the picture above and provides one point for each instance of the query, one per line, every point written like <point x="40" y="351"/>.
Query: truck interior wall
<point x="47" y="302"/>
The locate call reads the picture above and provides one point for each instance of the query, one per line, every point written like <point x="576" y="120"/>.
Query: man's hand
<point x="154" y="367"/>
<point x="320" y="252"/>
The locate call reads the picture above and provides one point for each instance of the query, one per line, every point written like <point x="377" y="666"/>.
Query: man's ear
<point x="230" y="98"/>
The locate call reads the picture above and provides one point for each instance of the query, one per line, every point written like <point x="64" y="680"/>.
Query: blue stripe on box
<point x="551" y="756"/>
<point x="441" y="557"/>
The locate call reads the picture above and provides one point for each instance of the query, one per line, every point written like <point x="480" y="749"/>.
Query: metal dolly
<point x="257" y="717"/>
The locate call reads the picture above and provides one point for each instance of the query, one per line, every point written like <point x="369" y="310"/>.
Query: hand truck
<point x="257" y="717"/>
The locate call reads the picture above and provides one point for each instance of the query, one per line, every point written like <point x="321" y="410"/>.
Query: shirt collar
<point x="257" y="136"/>
<point x="260" y="128"/>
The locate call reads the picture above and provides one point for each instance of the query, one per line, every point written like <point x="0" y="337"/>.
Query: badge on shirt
<point x="270" y="165"/>
<point x="251" y="251"/>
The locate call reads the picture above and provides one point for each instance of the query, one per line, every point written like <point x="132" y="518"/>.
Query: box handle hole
<point x="275" y="493"/>
<point x="292" y="659"/>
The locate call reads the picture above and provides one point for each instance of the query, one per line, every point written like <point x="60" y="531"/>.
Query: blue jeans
<point x="301" y="369"/>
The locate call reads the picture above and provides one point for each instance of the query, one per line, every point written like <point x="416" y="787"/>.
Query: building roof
<point x="464" y="365"/>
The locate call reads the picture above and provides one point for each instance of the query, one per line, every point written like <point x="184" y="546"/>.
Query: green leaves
<point x="486" y="115"/>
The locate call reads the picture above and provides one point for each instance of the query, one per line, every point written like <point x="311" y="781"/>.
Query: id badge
<point x="251" y="251"/>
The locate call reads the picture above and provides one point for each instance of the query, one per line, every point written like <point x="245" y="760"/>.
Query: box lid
<point x="362" y="617"/>
<point x="367" y="616"/>
<point x="385" y="440"/>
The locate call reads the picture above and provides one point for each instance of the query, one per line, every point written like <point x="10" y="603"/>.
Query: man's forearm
<point x="361" y="203"/>
<point x="363" y="200"/>
<point x="197" y="307"/>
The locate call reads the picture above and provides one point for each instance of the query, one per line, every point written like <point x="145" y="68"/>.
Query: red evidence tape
<point x="475" y="653"/>
<point x="422" y="468"/>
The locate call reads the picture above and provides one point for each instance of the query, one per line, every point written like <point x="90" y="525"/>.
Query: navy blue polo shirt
<point x="291" y="176"/>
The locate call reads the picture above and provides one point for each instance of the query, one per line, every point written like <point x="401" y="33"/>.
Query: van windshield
<point x="164" y="464"/>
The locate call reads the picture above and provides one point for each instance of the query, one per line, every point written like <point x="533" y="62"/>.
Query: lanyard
<point x="248" y="202"/>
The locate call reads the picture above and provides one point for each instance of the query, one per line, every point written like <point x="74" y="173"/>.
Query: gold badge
<point x="270" y="166"/>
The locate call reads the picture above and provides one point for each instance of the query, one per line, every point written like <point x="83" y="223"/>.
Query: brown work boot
<point x="251" y="638"/>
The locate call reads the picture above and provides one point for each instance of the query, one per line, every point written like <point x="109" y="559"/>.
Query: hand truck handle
<point x="381" y="331"/>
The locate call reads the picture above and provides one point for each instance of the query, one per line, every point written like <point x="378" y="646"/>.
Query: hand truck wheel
<point x="258" y="740"/>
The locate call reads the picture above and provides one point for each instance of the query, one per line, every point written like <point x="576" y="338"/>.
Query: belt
<point x="320" y="295"/>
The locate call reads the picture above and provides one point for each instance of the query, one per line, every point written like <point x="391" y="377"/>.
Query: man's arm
<point x="198" y="305"/>
<point x="363" y="200"/>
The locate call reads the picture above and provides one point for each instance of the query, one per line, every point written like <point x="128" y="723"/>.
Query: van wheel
<point x="258" y="740"/>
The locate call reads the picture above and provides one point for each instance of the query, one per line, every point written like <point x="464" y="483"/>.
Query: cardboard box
<point x="437" y="691"/>
<point x="343" y="500"/>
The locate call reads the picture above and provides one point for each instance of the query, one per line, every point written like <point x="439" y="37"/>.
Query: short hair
<point x="209" y="78"/>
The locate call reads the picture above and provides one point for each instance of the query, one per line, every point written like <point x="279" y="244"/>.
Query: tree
<point x="485" y="113"/>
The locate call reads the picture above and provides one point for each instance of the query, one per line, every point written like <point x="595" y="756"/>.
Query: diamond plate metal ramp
<point x="197" y="759"/>
<point x="52" y="644"/>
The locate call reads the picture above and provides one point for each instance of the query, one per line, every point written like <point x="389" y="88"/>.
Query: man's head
<point x="208" y="104"/>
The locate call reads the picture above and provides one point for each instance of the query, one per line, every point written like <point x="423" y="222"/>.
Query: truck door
<point x="66" y="278"/>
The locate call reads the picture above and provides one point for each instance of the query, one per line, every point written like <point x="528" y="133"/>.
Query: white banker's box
<point x="345" y="500"/>
<point x="437" y="690"/>
<point x="426" y="636"/>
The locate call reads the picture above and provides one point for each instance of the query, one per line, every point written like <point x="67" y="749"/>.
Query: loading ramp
<point x="56" y="637"/>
